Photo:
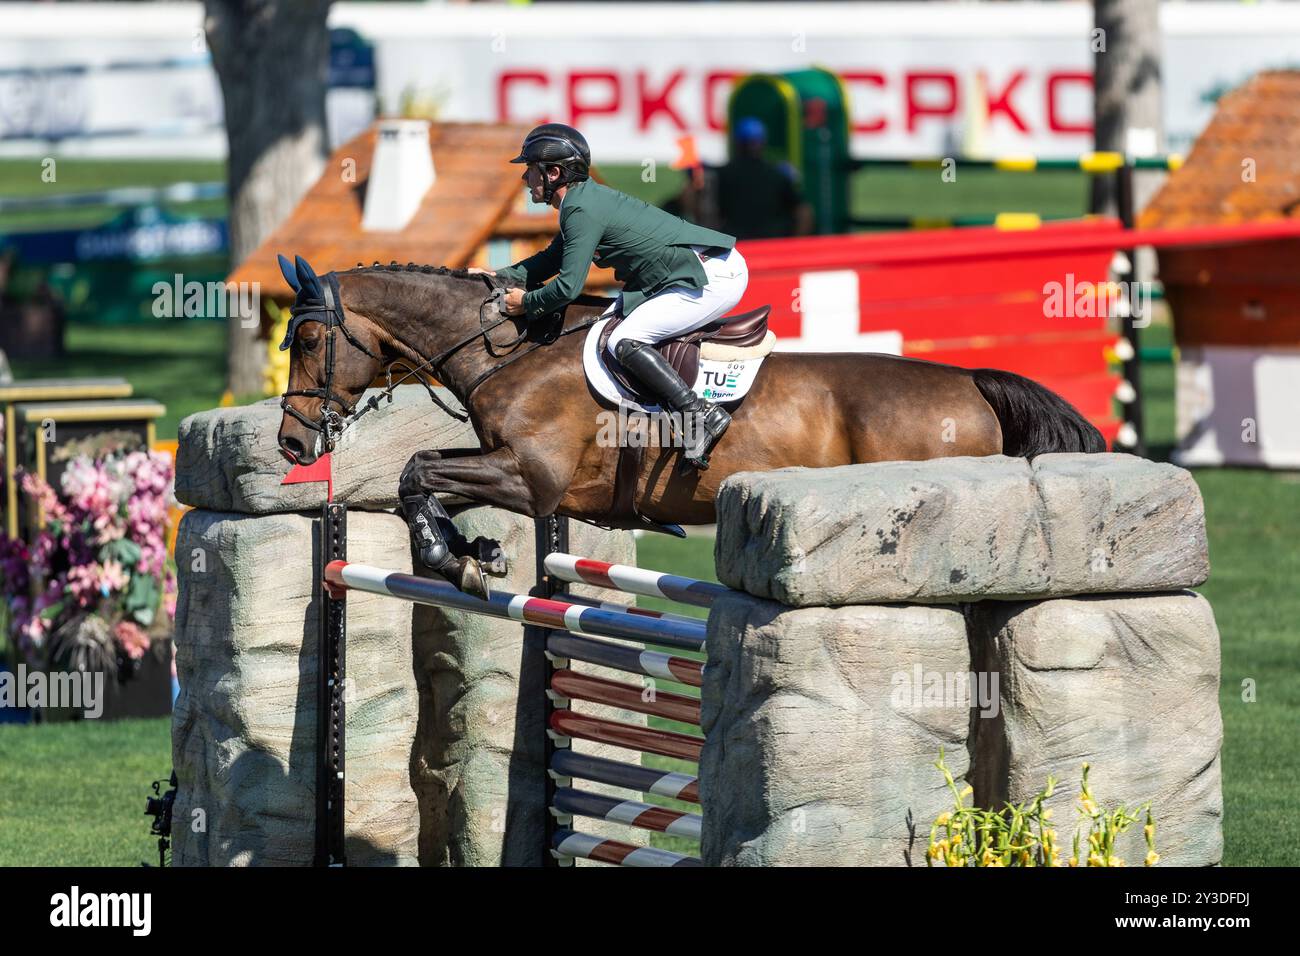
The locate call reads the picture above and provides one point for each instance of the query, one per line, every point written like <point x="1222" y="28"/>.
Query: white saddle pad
<point x="719" y="380"/>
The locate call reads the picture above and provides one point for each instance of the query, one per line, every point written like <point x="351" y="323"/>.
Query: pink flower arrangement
<point x="103" y="551"/>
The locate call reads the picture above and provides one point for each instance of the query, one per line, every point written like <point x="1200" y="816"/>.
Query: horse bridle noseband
<point x="328" y="310"/>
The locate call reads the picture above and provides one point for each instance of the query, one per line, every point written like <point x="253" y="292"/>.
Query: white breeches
<point x="677" y="309"/>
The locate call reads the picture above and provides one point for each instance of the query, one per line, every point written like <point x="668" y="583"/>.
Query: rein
<point x="332" y="424"/>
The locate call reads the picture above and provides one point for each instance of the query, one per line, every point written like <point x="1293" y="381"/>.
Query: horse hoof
<point x="466" y="575"/>
<point x="472" y="579"/>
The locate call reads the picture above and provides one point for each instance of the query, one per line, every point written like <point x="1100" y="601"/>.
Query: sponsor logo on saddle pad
<point x="726" y="381"/>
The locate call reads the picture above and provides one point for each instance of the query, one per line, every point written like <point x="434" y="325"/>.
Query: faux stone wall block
<point x="821" y="739"/>
<point x="244" y="726"/>
<point x="961" y="529"/>
<point x="464" y="787"/>
<point x="227" y="459"/>
<point x="1128" y="684"/>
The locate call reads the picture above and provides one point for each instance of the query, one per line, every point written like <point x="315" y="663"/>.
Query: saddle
<point x="729" y="339"/>
<point x="726" y="338"/>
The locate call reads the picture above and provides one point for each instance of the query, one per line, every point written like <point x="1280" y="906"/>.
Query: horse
<point x="539" y="423"/>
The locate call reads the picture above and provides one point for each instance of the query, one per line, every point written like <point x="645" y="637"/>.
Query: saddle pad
<point x="717" y="381"/>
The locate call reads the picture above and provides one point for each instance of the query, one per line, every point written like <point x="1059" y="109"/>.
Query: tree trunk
<point x="272" y="59"/>
<point x="1127" y="79"/>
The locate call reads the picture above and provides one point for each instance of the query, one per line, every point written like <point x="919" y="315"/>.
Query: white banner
<point x="637" y="77"/>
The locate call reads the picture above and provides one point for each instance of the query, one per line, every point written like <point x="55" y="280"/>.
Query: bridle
<point x="328" y="310"/>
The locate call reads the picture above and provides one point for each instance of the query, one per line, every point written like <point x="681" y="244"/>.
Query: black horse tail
<point x="1035" y="421"/>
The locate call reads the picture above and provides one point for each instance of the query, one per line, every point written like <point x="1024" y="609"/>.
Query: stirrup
<point x="699" y="459"/>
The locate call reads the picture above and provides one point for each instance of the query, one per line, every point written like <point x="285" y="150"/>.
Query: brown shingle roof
<point x="1259" y="121"/>
<point x="476" y="189"/>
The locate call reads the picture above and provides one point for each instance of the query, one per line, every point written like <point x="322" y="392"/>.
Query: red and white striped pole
<point x="630" y="580"/>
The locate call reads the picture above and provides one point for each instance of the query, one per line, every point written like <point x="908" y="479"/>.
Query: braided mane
<point x="410" y="267"/>
<point x="584" y="298"/>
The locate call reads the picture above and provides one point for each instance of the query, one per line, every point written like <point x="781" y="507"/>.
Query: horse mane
<point x="583" y="298"/>
<point x="362" y="269"/>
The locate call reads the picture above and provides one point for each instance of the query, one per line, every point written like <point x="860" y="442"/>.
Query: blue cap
<point x="750" y="129"/>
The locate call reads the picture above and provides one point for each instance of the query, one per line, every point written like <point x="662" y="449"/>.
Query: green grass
<point x="26" y="178"/>
<point x="73" y="794"/>
<point x="921" y="193"/>
<point x="1253" y="521"/>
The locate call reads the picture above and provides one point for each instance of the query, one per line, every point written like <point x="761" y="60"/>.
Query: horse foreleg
<point x="495" y="478"/>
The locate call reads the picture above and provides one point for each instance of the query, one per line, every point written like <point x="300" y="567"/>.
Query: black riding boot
<point x="707" y="421"/>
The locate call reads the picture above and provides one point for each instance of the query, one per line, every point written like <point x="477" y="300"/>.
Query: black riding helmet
<point x="554" y="144"/>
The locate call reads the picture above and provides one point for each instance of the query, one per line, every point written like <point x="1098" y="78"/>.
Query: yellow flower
<point x="1074" y="861"/>
<point x="1152" y="859"/>
<point x="944" y="819"/>
<point x="968" y="791"/>
<point x="1089" y="807"/>
<point x="1094" y="860"/>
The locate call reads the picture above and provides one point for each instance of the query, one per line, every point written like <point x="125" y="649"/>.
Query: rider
<point x="676" y="276"/>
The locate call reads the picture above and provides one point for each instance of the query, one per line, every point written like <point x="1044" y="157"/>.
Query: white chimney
<point x="400" y="174"/>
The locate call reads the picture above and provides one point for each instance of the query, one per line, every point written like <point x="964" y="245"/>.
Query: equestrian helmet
<point x="554" y="144"/>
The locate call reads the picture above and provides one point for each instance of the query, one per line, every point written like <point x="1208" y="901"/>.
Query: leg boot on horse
<point x="430" y="528"/>
<point x="439" y="545"/>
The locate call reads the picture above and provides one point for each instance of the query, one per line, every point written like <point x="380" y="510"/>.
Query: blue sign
<point x="142" y="234"/>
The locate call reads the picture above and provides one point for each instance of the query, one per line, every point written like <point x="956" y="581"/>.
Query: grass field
<point x="74" y="793"/>
<point x="26" y="179"/>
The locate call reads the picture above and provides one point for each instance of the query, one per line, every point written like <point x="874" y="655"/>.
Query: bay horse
<point x="537" y="419"/>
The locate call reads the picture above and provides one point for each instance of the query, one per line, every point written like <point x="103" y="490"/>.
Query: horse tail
<point x="1034" y="420"/>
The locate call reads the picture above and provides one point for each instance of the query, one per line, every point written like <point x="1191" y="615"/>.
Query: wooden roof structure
<point x="1245" y="165"/>
<point x="477" y="196"/>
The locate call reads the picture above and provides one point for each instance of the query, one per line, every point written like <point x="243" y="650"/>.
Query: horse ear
<point x="307" y="276"/>
<point x="286" y="270"/>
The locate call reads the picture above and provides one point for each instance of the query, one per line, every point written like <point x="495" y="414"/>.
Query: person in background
<point x="757" y="198"/>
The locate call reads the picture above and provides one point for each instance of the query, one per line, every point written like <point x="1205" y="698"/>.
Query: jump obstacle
<point x="573" y="629"/>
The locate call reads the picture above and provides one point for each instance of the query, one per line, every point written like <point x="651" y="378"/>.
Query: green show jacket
<point x="648" y="249"/>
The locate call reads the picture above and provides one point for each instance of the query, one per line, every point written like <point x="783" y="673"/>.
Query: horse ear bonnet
<point x="315" y="303"/>
<point x="286" y="270"/>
